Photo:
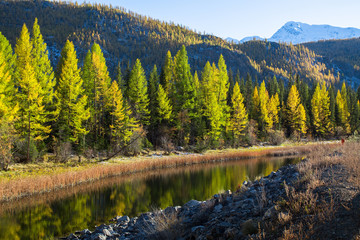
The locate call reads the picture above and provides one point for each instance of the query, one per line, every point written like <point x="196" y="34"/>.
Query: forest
<point x="73" y="109"/>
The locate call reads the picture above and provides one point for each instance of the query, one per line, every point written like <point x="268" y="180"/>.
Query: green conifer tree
<point x="43" y="72"/>
<point x="239" y="117"/>
<point x="122" y="125"/>
<point x="31" y="123"/>
<point x="295" y="112"/>
<point x="72" y="101"/>
<point x="320" y="104"/>
<point x="138" y="93"/>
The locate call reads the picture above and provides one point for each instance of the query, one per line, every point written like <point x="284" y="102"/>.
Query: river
<point x="52" y="215"/>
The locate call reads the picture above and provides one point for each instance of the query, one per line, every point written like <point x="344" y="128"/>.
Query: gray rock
<point x="218" y="208"/>
<point x="107" y="233"/>
<point x="123" y="219"/>
<point x="271" y="213"/>
<point x="98" y="236"/>
<point x="192" y="204"/>
<point x="197" y="228"/>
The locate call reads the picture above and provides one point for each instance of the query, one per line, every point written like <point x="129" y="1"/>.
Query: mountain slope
<point x="126" y="36"/>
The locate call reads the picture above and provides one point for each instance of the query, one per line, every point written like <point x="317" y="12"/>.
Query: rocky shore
<point x="228" y="215"/>
<point x="304" y="201"/>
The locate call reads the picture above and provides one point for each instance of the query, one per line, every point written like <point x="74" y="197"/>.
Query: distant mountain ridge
<point x="297" y="32"/>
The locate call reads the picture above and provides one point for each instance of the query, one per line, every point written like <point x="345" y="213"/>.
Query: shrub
<point x="21" y="151"/>
<point x="276" y="137"/>
<point x="7" y="139"/>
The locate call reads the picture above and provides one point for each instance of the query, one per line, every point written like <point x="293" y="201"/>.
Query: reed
<point x="30" y="185"/>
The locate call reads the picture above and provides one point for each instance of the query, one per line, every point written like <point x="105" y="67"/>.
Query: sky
<point x="242" y="18"/>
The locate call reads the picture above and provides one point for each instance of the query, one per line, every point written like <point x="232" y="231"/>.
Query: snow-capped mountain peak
<point x="297" y="32"/>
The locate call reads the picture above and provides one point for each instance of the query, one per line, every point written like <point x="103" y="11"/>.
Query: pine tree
<point x="72" y="100"/>
<point x="43" y="72"/>
<point x="239" y="117"/>
<point x="320" y="103"/>
<point x="138" y="93"/>
<point x="32" y="122"/>
<point x="295" y="112"/>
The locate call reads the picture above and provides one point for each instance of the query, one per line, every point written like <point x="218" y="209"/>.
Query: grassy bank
<point x="324" y="202"/>
<point x="25" y="180"/>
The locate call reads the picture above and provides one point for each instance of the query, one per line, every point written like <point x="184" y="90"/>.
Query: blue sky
<point x="241" y="18"/>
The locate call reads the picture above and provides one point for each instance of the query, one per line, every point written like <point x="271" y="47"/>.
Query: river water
<point x="57" y="214"/>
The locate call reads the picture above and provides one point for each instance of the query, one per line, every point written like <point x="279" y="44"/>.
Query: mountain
<point x="246" y="39"/>
<point x="297" y="32"/>
<point x="125" y="36"/>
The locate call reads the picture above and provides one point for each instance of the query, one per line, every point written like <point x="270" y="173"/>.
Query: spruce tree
<point x="164" y="108"/>
<point x="97" y="83"/>
<point x="295" y="112"/>
<point x="185" y="96"/>
<point x="166" y="77"/>
<point x="152" y="88"/>
<point x="320" y="104"/>
<point x="72" y="101"/>
<point x="264" y="120"/>
<point x="138" y="94"/>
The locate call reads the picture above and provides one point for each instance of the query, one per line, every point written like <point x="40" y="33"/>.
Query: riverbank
<point x="318" y="198"/>
<point x="46" y="177"/>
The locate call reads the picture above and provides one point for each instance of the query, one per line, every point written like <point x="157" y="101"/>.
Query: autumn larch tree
<point x="72" y="101"/>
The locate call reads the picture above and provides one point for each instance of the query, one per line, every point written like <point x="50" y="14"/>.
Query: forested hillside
<point x="75" y="104"/>
<point x="343" y="55"/>
<point x="125" y="36"/>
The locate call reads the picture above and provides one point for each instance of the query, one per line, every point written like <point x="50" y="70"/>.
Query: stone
<point x="192" y="204"/>
<point x="271" y="213"/>
<point x="123" y="219"/>
<point x="98" y="236"/>
<point x="218" y="208"/>
<point x="194" y="229"/>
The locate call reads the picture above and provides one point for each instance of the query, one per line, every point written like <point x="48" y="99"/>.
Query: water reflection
<point x="59" y="214"/>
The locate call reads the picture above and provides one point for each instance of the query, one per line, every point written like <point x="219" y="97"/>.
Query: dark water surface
<point x="58" y="214"/>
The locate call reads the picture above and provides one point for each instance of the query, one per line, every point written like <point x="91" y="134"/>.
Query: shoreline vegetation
<point x="317" y="198"/>
<point x="26" y="180"/>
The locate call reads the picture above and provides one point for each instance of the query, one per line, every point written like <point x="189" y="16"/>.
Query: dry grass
<point x="303" y="210"/>
<point x="162" y="226"/>
<point x="25" y="186"/>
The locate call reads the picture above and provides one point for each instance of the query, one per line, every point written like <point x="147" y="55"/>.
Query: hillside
<point x="125" y="36"/>
<point x="341" y="54"/>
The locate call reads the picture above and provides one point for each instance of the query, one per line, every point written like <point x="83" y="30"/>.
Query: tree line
<point x="81" y="109"/>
